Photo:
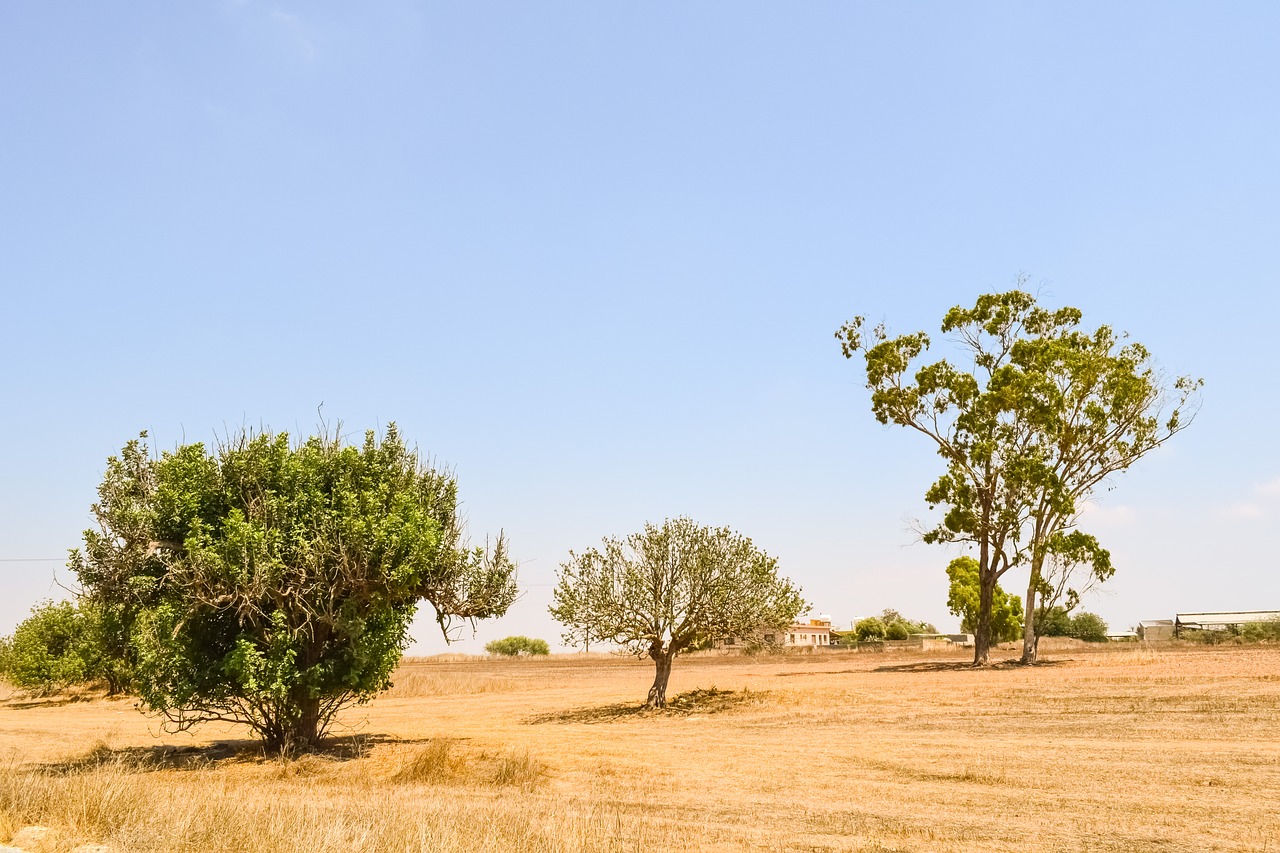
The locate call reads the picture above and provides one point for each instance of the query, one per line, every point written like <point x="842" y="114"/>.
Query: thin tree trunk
<point x="662" y="674"/>
<point x="982" y="630"/>
<point x="1029" y="644"/>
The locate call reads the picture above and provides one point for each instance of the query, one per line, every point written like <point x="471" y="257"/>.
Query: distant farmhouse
<point x="814" y="631"/>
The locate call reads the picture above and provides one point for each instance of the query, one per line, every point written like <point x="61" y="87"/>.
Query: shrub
<point x="512" y="646"/>
<point x="871" y="628"/>
<point x="897" y="631"/>
<point x="1088" y="627"/>
<point x="51" y="649"/>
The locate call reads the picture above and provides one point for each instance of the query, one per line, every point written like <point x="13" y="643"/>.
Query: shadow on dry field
<point x="962" y="666"/>
<point x="160" y="757"/>
<point x="709" y="701"/>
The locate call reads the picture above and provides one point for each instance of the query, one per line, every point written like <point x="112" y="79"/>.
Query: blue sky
<point x="591" y="256"/>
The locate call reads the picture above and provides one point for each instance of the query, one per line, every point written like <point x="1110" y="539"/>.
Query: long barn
<point x="1221" y="621"/>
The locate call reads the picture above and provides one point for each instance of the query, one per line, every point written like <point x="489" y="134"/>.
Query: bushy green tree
<point x="663" y="590"/>
<point x="870" y="629"/>
<point x="272" y="584"/>
<point x="1089" y="627"/>
<point x="899" y="627"/>
<point x="963" y="600"/>
<point x="897" y="631"/>
<point x="512" y="646"/>
<point x="52" y="649"/>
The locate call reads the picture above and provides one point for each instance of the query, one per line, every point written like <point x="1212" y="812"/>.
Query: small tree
<point x="870" y="629"/>
<point x="904" y="626"/>
<point x="52" y="649"/>
<point x="662" y="590"/>
<point x="1074" y="564"/>
<point x="963" y="601"/>
<point x="512" y="646"/>
<point x="273" y="584"/>
<point x="1089" y="627"/>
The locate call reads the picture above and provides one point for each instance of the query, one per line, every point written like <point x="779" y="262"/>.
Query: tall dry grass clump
<point x="446" y="761"/>
<point x="347" y="809"/>
<point x="1137" y="655"/>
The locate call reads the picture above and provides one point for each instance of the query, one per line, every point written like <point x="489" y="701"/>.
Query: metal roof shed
<point x="1222" y="621"/>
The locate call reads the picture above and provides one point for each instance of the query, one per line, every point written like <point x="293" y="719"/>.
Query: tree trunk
<point x="1029" y="640"/>
<point x="982" y="631"/>
<point x="986" y="593"/>
<point x="294" y="732"/>
<point x="662" y="674"/>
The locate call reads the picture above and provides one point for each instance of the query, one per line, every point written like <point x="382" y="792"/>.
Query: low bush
<point x="50" y="650"/>
<point x="512" y="646"/>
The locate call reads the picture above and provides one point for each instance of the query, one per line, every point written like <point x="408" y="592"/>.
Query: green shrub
<point x="871" y="628"/>
<point x="51" y="649"/>
<point x="1088" y="627"/>
<point x="512" y="646"/>
<point x="897" y="631"/>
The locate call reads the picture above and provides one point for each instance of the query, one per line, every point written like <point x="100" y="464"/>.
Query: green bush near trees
<point x="870" y="629"/>
<point x="1058" y="622"/>
<point x="889" y="625"/>
<point x="512" y="646"/>
<point x="58" y="646"/>
<point x="272" y="583"/>
<point x="964" y="595"/>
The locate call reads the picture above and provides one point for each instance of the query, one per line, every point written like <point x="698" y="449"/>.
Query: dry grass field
<point x="1096" y="750"/>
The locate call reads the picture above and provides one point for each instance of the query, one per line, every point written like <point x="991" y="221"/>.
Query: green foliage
<point x="870" y="629"/>
<point x="512" y="646"/>
<point x="272" y="584"/>
<point x="1053" y="622"/>
<point x="1046" y="413"/>
<point x="962" y="601"/>
<point x="1059" y="622"/>
<point x="899" y="627"/>
<point x="1089" y="627"/>
<point x="665" y="589"/>
<point x="897" y="631"/>
<point x="52" y="649"/>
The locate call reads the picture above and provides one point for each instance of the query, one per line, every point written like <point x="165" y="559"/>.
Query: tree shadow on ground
<point x="144" y="759"/>
<point x="964" y="666"/>
<point x="689" y="703"/>
<point x="25" y="701"/>
<point x="815" y="672"/>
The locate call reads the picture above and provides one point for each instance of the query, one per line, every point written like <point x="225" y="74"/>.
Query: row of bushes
<point x="1086" y="626"/>
<point x="889" y="625"/>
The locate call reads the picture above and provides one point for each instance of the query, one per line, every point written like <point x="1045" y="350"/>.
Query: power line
<point x="33" y="559"/>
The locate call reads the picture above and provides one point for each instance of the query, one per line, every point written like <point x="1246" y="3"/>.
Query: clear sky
<point x="591" y="256"/>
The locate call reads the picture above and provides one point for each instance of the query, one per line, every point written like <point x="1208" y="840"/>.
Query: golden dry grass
<point x="1129" y="749"/>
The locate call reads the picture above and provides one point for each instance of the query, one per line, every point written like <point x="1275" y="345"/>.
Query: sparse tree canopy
<point x="1046" y="412"/>
<point x="663" y="590"/>
<point x="272" y="584"/>
<point x="512" y="646"/>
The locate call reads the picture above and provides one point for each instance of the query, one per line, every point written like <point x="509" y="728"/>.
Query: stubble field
<point x="1129" y="749"/>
